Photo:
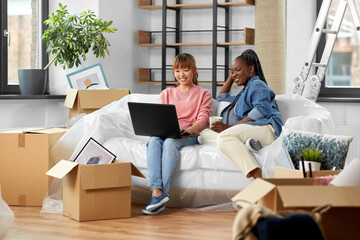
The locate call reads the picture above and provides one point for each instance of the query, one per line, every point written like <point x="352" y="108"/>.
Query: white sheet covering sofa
<point x="204" y="176"/>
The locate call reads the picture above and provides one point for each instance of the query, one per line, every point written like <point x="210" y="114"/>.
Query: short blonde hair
<point x="186" y="60"/>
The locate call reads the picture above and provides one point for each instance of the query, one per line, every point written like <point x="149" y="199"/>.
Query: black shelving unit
<point x="144" y="38"/>
<point x="164" y="46"/>
<point x="215" y="45"/>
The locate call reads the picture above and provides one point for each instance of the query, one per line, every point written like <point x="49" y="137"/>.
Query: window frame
<point x="340" y="93"/>
<point x="6" y="88"/>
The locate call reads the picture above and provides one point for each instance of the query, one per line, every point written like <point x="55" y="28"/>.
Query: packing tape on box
<point x="21" y="140"/>
<point x="22" y="199"/>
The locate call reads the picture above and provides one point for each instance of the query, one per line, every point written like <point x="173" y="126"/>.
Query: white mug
<point x="213" y="119"/>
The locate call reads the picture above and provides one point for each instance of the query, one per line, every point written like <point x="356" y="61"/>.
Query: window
<point x="342" y="79"/>
<point x="21" y="46"/>
<point x="339" y="70"/>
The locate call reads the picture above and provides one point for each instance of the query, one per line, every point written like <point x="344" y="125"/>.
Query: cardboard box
<point x="340" y="222"/>
<point x="281" y="172"/>
<point x="25" y="158"/>
<point x="96" y="191"/>
<point x="88" y="101"/>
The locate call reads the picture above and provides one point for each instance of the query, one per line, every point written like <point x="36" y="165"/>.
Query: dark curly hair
<point x="250" y="57"/>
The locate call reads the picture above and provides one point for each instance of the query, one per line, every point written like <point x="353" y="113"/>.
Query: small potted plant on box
<point x="68" y="39"/>
<point x="312" y="156"/>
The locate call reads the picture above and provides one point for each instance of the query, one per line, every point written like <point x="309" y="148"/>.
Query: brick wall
<point x="22" y="52"/>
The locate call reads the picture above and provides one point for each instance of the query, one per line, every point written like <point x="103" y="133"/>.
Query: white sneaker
<point x="253" y="145"/>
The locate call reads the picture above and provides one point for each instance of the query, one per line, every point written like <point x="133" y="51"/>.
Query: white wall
<point x="301" y="18"/>
<point x="32" y="113"/>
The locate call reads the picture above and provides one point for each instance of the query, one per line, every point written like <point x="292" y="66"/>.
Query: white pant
<point x="231" y="142"/>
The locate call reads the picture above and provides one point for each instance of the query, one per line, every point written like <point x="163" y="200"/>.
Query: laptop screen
<point x="154" y="119"/>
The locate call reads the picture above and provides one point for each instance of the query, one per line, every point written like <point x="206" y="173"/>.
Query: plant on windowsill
<point x="312" y="156"/>
<point x="68" y="39"/>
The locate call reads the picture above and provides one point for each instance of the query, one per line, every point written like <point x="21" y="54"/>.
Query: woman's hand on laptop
<point x="185" y="131"/>
<point x="190" y="130"/>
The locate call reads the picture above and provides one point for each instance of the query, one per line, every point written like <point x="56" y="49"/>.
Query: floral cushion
<point x="334" y="147"/>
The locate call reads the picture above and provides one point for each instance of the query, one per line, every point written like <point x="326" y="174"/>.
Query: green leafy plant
<point x="70" y="37"/>
<point x="310" y="154"/>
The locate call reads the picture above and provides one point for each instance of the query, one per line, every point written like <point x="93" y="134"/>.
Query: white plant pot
<point x="315" y="166"/>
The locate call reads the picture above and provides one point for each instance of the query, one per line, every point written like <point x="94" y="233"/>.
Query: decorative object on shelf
<point x="311" y="157"/>
<point x="88" y="78"/>
<point x="69" y="38"/>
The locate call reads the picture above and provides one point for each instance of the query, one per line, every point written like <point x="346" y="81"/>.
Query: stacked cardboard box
<point x="88" y="101"/>
<point x="24" y="159"/>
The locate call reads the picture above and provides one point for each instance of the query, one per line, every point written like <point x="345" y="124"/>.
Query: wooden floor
<point x="173" y="223"/>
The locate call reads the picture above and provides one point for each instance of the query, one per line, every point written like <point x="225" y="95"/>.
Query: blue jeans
<point x="162" y="159"/>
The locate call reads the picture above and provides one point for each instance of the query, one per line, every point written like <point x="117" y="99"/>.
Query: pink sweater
<point x="193" y="106"/>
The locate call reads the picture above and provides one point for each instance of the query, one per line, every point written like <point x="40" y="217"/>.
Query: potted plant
<point x="68" y="39"/>
<point x="311" y="156"/>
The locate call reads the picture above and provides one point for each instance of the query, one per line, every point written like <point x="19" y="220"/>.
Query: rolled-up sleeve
<point x="255" y="114"/>
<point x="261" y="100"/>
<point x="225" y="97"/>
<point x="222" y="96"/>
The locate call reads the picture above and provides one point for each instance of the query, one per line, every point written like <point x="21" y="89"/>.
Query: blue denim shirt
<point x="257" y="101"/>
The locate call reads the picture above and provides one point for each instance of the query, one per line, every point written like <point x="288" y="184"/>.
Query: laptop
<point x="155" y="119"/>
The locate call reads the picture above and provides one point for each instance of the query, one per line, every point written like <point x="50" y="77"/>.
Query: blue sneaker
<point x="154" y="211"/>
<point x="156" y="202"/>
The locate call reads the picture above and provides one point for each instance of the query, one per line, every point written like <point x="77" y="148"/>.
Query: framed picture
<point x="87" y="77"/>
<point x="94" y="153"/>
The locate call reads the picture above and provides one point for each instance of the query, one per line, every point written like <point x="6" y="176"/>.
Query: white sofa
<point x="204" y="176"/>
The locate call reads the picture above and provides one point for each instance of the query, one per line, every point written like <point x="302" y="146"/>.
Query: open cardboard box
<point x="340" y="222"/>
<point x="25" y="158"/>
<point x="96" y="191"/>
<point x="281" y="172"/>
<point x="88" y="101"/>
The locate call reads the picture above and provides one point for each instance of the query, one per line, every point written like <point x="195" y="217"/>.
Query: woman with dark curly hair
<point x="251" y="115"/>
